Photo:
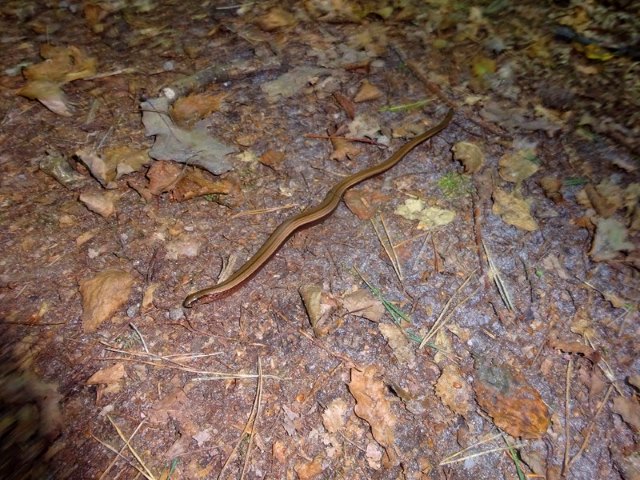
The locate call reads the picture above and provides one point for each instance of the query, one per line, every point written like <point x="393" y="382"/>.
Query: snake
<point x="306" y="217"/>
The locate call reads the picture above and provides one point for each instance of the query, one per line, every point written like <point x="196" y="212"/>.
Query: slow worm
<point x="310" y="215"/>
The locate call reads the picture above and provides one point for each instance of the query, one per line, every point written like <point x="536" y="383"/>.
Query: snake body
<point x="306" y="217"/>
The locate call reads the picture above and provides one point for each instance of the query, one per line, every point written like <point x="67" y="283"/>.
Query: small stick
<point x="567" y="413"/>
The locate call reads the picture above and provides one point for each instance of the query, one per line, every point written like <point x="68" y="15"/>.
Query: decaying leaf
<point x="335" y="415"/>
<point x="511" y="402"/>
<point x="610" y="239"/>
<point x="519" y="165"/>
<point x="513" y="210"/>
<point x="373" y="406"/>
<point x="629" y="410"/>
<point x="193" y="107"/>
<point x="197" y="183"/>
<point x="399" y="343"/>
<point x="292" y="82"/>
<point x="163" y="176"/>
<point x="320" y="305"/>
<point x="272" y="159"/>
<point x="470" y="155"/>
<point x="363" y="203"/>
<point x="57" y="165"/>
<point x="102" y="295"/>
<point x="362" y="304"/>
<point x="109" y="380"/>
<point x="454" y="391"/>
<point x="193" y="147"/>
<point x="102" y="203"/>
<point x="551" y="187"/>
<point x="276" y="18"/>
<point x="343" y="149"/>
<point x="310" y="470"/>
<point x="367" y="92"/>
<point x="61" y="65"/>
<point x="428" y="217"/>
<point x="600" y="203"/>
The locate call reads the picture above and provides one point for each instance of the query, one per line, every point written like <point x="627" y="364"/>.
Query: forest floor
<point x="471" y="313"/>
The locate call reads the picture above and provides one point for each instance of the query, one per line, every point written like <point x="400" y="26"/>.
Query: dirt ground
<point x="472" y="313"/>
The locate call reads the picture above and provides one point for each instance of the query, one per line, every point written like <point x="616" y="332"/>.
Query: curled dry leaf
<point x="102" y="295"/>
<point x="470" y="155"/>
<point x="319" y="305"/>
<point x="373" y="407"/>
<point x="57" y="165"/>
<point x="513" y="404"/>
<point x="454" y="390"/>
<point x="102" y="203"/>
<point x="362" y="304"/>
<point x="367" y="92"/>
<point x="399" y="343"/>
<point x="513" y="210"/>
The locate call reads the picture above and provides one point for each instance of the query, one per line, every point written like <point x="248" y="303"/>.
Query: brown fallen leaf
<point x="335" y="415"/>
<point x="272" y="159"/>
<point x="399" y="343"/>
<point x="373" y="407"/>
<point x="511" y="402"/>
<point x="513" y="210"/>
<point x="610" y="240"/>
<point x="575" y="347"/>
<point x="364" y="203"/>
<point x="602" y="205"/>
<point x="470" y="155"/>
<point x="102" y="295"/>
<point x="629" y="410"/>
<point x="275" y="19"/>
<point x="163" y="176"/>
<point x="362" y="304"/>
<point x="100" y="168"/>
<point x="197" y="183"/>
<point x="367" y="92"/>
<point x="343" y="149"/>
<point x="320" y="305"/>
<point x="551" y="187"/>
<point x="519" y="165"/>
<point x="109" y="380"/>
<point x="347" y="105"/>
<point x="310" y="470"/>
<point x="102" y="203"/>
<point x="454" y="390"/>
<point x="194" y="107"/>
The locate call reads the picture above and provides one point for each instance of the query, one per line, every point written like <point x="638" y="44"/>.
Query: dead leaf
<point x="310" y="470"/>
<point x="100" y="168"/>
<point x="109" y="380"/>
<point x="373" y="407"/>
<point x="102" y="295"/>
<point x="57" y="166"/>
<point x="600" y="203"/>
<point x="518" y="166"/>
<point x="575" y="347"/>
<point x="320" y="305"/>
<point x="551" y="187"/>
<point x="428" y="217"/>
<point x="272" y="159"/>
<point x="470" y="155"/>
<point x="163" y="176"/>
<point x="610" y="239"/>
<point x="343" y="149"/>
<point x="102" y="203"/>
<point x="192" y="147"/>
<point x="513" y="210"/>
<point x="454" y="391"/>
<point x="362" y="304"/>
<point x="399" y="343"/>
<point x="347" y="105"/>
<point x="50" y="94"/>
<point x="171" y="406"/>
<point x="275" y="19"/>
<point x="363" y="203"/>
<point x="511" y="402"/>
<point x="335" y="415"/>
<point x="194" y="107"/>
<point x="197" y="183"/>
<point x="147" y="297"/>
<point x="291" y="83"/>
<point x="629" y="410"/>
<point x="367" y="92"/>
<point x="126" y="159"/>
